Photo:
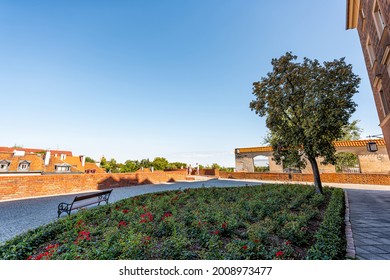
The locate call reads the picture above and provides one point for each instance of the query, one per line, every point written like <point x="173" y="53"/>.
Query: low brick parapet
<point x="14" y="187"/>
<point x="343" y="178"/>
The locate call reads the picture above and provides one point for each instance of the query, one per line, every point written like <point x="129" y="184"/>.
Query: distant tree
<point x="110" y="166"/>
<point x="306" y="105"/>
<point x="346" y="159"/>
<point x="145" y="163"/>
<point x="262" y="168"/>
<point x="160" y="163"/>
<point x="130" y="166"/>
<point x="177" y="165"/>
<point x="215" y="166"/>
<point x="103" y="164"/>
<point x="88" y="159"/>
<point x="351" y="131"/>
<point x="114" y="167"/>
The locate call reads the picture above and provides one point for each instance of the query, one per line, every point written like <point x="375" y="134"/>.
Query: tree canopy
<point x="306" y="105"/>
<point x="351" y="131"/>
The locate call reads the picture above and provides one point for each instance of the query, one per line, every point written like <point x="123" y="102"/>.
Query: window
<point x="4" y="164"/>
<point x="363" y="20"/>
<point x="379" y="19"/>
<point x="24" y="166"/>
<point x="62" y="168"/>
<point x="385" y="102"/>
<point x="370" y="51"/>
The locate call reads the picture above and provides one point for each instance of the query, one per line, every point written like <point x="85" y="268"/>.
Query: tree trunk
<point x="316" y="174"/>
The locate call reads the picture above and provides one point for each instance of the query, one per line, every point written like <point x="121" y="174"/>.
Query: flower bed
<point x="260" y="222"/>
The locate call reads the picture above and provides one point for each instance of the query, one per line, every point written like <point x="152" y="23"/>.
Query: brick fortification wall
<point x="209" y="172"/>
<point x="372" y="179"/>
<point x="13" y="187"/>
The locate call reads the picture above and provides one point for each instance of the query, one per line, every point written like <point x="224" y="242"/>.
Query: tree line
<point x="159" y="163"/>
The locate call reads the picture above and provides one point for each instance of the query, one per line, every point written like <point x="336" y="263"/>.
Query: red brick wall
<point x="209" y="172"/>
<point x="12" y="187"/>
<point x="374" y="179"/>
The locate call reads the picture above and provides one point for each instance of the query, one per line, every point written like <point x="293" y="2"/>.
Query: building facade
<point x="25" y="161"/>
<point x="371" y="18"/>
<point x="368" y="162"/>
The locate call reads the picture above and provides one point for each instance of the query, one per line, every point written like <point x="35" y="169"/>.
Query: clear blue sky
<point x="141" y="79"/>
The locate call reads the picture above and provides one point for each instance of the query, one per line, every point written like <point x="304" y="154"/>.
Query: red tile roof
<point x="29" y="150"/>
<point x="35" y="161"/>
<point x="349" y="143"/>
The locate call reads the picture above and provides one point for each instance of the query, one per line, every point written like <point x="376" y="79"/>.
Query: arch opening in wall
<point x="261" y="164"/>
<point x="347" y="162"/>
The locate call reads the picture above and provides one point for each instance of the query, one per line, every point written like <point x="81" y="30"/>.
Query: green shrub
<point x="256" y="222"/>
<point x="330" y="240"/>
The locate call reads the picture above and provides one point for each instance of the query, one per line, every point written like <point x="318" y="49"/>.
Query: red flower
<point x="257" y="240"/>
<point x="146" y="240"/>
<point x="122" y="224"/>
<point x="288" y="242"/>
<point x="51" y="247"/>
<point x="80" y="224"/>
<point x="215" y="232"/>
<point x="125" y="211"/>
<point x="279" y="254"/>
<point x="166" y="215"/>
<point x="224" y="225"/>
<point x="83" y="235"/>
<point x="146" y="217"/>
<point x="245" y="247"/>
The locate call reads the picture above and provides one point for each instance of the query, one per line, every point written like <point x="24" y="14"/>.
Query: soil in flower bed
<point x="256" y="222"/>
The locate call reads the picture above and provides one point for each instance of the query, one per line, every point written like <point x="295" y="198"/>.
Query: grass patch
<point x="256" y="222"/>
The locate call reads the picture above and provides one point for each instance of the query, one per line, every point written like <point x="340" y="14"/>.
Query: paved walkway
<point x="370" y="221"/>
<point x="369" y="207"/>
<point x="19" y="216"/>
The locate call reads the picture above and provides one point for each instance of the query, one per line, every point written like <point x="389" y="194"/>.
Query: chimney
<point x="19" y="153"/>
<point x="82" y="159"/>
<point x="47" y="158"/>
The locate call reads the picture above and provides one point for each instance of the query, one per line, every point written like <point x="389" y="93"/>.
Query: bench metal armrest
<point x="64" y="207"/>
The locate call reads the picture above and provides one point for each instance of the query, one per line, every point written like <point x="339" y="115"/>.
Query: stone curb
<point x="351" y="252"/>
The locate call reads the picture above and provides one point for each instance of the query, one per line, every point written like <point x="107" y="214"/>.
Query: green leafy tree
<point x="130" y="166"/>
<point x="104" y="164"/>
<point x="88" y="159"/>
<point x="351" y="131"/>
<point x="346" y="159"/>
<point x="145" y="163"/>
<point x="306" y="105"/>
<point x="160" y="163"/>
<point x="215" y="166"/>
<point x="177" y="165"/>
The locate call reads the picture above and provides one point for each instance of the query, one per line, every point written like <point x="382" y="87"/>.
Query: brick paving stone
<point x="370" y="222"/>
<point x="372" y="249"/>
<point x="369" y="256"/>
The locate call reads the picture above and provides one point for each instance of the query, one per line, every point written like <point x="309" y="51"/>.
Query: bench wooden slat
<point x="87" y="196"/>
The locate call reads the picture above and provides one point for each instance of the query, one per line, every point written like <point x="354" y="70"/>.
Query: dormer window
<point x="4" y="165"/>
<point x="62" y="168"/>
<point x="24" y="166"/>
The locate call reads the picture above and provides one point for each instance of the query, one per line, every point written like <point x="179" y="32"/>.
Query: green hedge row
<point x="330" y="238"/>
